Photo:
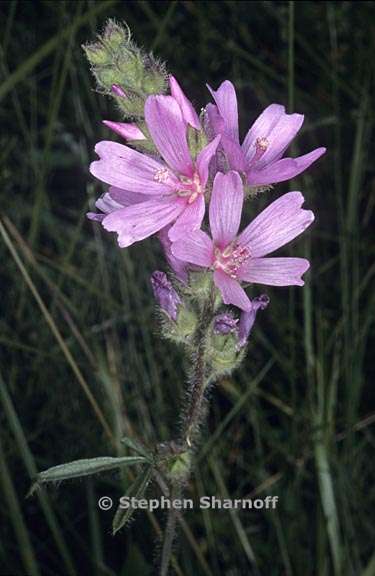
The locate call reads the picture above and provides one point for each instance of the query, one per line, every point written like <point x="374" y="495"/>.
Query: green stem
<point x="194" y="413"/>
<point x="193" y="418"/>
<point x="170" y="532"/>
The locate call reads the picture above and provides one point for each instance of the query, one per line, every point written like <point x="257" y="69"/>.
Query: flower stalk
<point x="200" y="378"/>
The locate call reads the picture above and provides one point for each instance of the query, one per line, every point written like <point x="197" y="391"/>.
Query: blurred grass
<point x="81" y="361"/>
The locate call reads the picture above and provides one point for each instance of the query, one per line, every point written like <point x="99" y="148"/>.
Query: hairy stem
<point x="170" y="532"/>
<point x="193" y="417"/>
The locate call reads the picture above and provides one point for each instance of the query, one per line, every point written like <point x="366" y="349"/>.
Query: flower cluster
<point x="200" y="166"/>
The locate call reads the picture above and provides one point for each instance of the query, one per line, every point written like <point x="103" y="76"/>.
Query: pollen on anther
<point x="161" y="175"/>
<point x="262" y="144"/>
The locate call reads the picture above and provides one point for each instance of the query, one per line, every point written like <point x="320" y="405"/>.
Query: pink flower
<point x="173" y="189"/>
<point x="240" y="258"/>
<point x="260" y="155"/>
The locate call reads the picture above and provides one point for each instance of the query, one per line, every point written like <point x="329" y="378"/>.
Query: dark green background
<point x="77" y="313"/>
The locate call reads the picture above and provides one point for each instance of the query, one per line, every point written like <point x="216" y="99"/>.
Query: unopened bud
<point x="126" y="130"/>
<point x="165" y="294"/>
<point x="124" y="70"/>
<point x="115" y="35"/>
<point x="225" y="324"/>
<point x="118" y="91"/>
<point x="200" y="284"/>
<point x="223" y="350"/>
<point x="97" y="54"/>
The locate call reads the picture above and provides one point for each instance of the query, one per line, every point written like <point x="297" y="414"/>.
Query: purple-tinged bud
<point x="118" y="91"/>
<point x="96" y="54"/>
<point x="115" y="34"/>
<point x="247" y="319"/>
<point x="225" y="324"/>
<point x="165" y="295"/>
<point x="126" y="130"/>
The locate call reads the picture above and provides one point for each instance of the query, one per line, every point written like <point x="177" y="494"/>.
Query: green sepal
<point x="200" y="283"/>
<point x="253" y="191"/>
<point x="197" y="140"/>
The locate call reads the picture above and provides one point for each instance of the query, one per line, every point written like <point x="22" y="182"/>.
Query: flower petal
<point x="225" y="207"/>
<point x="204" y="158"/>
<point x="231" y="291"/>
<point x="247" y="319"/>
<point x="274" y="271"/>
<point x="262" y="127"/>
<point x="168" y="130"/>
<point x="126" y="198"/>
<point x="178" y="266"/>
<point x="95" y="216"/>
<point x="139" y="221"/>
<point x="190" y="219"/>
<point x="196" y="248"/>
<point x="107" y="204"/>
<point x="130" y="170"/>
<point x="189" y="114"/>
<point x="234" y="154"/>
<point x="226" y="101"/>
<point x="115" y="199"/>
<point x="125" y="130"/>
<point x="277" y="225"/>
<point x="284" y="169"/>
<point x="215" y="123"/>
<point x="280" y="137"/>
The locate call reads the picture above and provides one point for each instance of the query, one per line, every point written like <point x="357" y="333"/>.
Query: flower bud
<point x="185" y="325"/>
<point x="225" y="324"/>
<point x="126" y="130"/>
<point x="165" y="294"/>
<point x="155" y="77"/>
<point x="114" y="34"/>
<point x="223" y="349"/>
<point x="247" y="319"/>
<point x="125" y="71"/>
<point x="118" y="91"/>
<point x="97" y="54"/>
<point x="200" y="284"/>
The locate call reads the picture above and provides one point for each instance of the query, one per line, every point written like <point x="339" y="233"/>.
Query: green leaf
<point x="137" y="447"/>
<point x="85" y="467"/>
<point x="136" y="490"/>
